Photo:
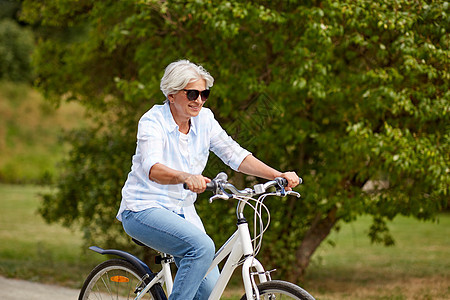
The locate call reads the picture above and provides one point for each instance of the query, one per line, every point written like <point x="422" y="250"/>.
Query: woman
<point x="173" y="144"/>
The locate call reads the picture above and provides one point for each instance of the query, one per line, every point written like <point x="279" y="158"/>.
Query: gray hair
<point x="180" y="73"/>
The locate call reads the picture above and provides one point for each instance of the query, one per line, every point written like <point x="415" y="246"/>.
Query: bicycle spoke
<point x="116" y="279"/>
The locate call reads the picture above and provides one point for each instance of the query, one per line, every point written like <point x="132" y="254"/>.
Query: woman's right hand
<point x="197" y="183"/>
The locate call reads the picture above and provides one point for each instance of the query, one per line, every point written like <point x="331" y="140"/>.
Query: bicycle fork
<point x="251" y="289"/>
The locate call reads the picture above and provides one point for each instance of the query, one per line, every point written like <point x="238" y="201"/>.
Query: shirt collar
<point x="170" y="122"/>
<point x="194" y="124"/>
<point x="172" y="125"/>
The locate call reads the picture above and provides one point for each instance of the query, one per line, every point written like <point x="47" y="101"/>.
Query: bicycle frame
<point x="237" y="246"/>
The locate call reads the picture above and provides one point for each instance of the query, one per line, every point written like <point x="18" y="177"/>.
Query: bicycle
<point x="130" y="278"/>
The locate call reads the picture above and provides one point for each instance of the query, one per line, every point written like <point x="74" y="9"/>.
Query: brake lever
<point x="218" y="196"/>
<point x="293" y="193"/>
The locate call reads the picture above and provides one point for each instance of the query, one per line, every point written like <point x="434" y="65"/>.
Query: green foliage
<point x="9" y="9"/>
<point x="348" y="93"/>
<point x="16" y="45"/>
<point x="95" y="157"/>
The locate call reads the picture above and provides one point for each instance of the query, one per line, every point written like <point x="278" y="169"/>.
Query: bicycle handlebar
<point x="213" y="185"/>
<point x="219" y="184"/>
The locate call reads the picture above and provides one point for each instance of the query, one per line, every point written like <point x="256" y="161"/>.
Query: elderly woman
<point x="173" y="144"/>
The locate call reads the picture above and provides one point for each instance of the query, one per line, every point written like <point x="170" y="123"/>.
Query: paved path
<point x="15" y="289"/>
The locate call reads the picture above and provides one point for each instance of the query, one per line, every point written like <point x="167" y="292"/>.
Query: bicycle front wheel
<point x="277" y="289"/>
<point x="117" y="279"/>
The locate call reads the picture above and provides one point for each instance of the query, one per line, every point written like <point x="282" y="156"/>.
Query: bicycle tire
<point x="278" y="289"/>
<point x="117" y="279"/>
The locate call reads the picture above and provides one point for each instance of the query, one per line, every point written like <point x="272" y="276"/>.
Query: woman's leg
<point x="207" y="285"/>
<point x="167" y="232"/>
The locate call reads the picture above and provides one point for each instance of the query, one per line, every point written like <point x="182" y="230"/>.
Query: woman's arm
<point x="162" y="174"/>
<point x="253" y="166"/>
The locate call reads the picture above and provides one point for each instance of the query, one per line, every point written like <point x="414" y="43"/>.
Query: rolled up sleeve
<point x="150" y="144"/>
<point x="228" y="150"/>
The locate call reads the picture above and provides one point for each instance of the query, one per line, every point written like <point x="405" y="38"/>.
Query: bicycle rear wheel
<point x="117" y="279"/>
<point x="277" y="289"/>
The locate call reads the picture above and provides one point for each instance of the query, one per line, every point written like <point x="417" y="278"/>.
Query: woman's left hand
<point x="292" y="179"/>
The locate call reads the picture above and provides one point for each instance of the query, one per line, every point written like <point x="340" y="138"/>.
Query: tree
<point x="16" y="45"/>
<point x="351" y="94"/>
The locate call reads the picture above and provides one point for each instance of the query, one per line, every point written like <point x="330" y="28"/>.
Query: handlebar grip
<point x="210" y="186"/>
<point x="284" y="182"/>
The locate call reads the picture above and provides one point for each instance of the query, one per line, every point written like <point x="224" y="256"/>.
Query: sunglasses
<point x="192" y="95"/>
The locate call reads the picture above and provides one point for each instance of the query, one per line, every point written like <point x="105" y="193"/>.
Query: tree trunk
<point x="319" y="230"/>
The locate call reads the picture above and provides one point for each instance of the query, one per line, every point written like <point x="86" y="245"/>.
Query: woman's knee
<point x="205" y="248"/>
<point x="211" y="248"/>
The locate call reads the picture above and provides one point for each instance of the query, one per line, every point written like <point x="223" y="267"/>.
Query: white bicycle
<point x="130" y="278"/>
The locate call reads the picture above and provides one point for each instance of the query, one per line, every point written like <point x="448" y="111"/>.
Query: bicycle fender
<point x="139" y="264"/>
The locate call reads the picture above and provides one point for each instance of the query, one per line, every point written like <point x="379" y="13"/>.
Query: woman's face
<point x="182" y="108"/>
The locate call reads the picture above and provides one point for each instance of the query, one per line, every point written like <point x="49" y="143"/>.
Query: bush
<point x="16" y="46"/>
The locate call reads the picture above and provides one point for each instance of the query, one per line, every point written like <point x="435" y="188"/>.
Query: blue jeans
<point x="192" y="249"/>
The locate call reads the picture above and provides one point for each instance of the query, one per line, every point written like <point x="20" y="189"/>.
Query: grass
<point x="415" y="268"/>
<point x="34" y="250"/>
<point x="30" y="131"/>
